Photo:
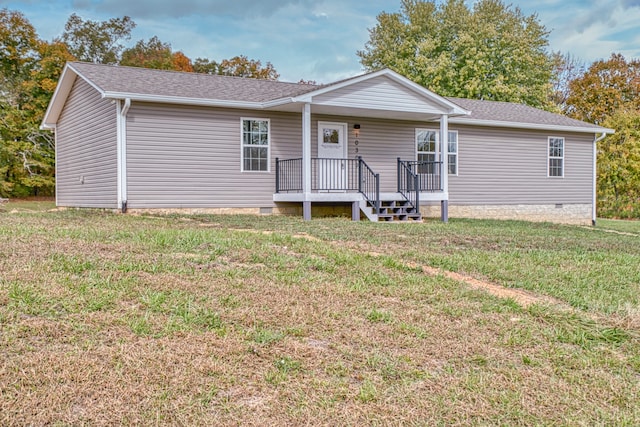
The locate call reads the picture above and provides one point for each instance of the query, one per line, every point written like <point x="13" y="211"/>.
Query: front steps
<point x="391" y="211"/>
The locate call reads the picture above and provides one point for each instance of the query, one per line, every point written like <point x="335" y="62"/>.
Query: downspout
<point x="444" y="166"/>
<point x="595" y="177"/>
<point x="306" y="161"/>
<point x="123" y="109"/>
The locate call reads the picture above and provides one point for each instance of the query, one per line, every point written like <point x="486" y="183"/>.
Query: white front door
<point x="332" y="155"/>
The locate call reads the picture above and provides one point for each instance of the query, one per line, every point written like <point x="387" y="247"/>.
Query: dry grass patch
<point x="111" y="319"/>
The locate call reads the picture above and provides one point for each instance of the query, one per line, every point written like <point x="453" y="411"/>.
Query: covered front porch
<point x="341" y="180"/>
<point x="363" y="138"/>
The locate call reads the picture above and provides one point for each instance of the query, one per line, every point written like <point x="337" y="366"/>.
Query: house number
<point x="357" y="142"/>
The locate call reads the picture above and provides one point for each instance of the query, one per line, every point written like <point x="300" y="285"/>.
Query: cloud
<point x="239" y="9"/>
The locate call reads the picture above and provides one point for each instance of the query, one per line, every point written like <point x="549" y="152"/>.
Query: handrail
<point x="369" y="184"/>
<point x="409" y="184"/>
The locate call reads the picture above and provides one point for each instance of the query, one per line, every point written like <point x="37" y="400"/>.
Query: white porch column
<point x="444" y="158"/>
<point x="306" y="161"/>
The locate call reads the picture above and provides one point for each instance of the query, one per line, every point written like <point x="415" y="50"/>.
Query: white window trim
<point x="457" y="153"/>
<point x="439" y="147"/>
<point x="564" y="152"/>
<point x="242" y="145"/>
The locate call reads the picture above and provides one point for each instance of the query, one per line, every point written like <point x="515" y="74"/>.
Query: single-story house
<point x="136" y="139"/>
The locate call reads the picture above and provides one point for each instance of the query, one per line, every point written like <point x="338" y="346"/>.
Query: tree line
<point x="488" y="51"/>
<point x="29" y="71"/>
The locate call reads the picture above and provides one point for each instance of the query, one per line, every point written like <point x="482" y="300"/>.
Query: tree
<point x="18" y="40"/>
<point x="566" y="68"/>
<point x="608" y="94"/>
<point x="619" y="166"/>
<point x="238" y="66"/>
<point x="490" y="52"/>
<point x="155" y="54"/>
<point x="605" y="88"/>
<point x="30" y="71"/>
<point x="205" y="66"/>
<point x="98" y="42"/>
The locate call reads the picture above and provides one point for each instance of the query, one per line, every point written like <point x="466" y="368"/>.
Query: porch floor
<point x="344" y="196"/>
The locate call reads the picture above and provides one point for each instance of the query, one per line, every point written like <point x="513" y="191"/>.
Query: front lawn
<point x="235" y="320"/>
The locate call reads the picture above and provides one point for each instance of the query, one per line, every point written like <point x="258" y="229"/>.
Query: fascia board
<point x="63" y="88"/>
<point x="59" y="96"/>
<point x="532" y="126"/>
<point x="184" y="101"/>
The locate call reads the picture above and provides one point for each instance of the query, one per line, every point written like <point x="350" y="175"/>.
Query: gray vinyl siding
<point x="189" y="157"/>
<point x="182" y="156"/>
<point x="86" y="150"/>
<point x="509" y="166"/>
<point x="380" y="143"/>
<point x="382" y="93"/>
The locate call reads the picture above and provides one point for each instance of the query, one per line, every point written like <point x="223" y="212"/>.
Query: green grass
<point x="619" y="225"/>
<point x="204" y="320"/>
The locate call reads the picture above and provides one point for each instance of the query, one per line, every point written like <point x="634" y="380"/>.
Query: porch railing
<point x="288" y="175"/>
<point x="409" y="184"/>
<point x="428" y="173"/>
<point x="369" y="184"/>
<point x="330" y="175"/>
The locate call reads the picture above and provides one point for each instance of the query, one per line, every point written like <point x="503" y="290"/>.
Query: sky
<point x="318" y="39"/>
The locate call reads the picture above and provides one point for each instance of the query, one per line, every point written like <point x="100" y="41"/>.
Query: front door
<point x="332" y="155"/>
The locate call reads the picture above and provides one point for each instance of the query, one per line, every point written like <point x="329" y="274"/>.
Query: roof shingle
<point x="515" y="113"/>
<point x="144" y="81"/>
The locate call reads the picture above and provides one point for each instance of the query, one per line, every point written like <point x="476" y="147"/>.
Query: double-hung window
<point x="556" y="157"/>
<point x="427" y="142"/>
<point x="453" y="153"/>
<point x="255" y="145"/>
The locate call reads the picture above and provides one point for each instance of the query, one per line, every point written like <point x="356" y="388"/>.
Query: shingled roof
<point x="493" y="111"/>
<point x="181" y="87"/>
<point x="144" y="81"/>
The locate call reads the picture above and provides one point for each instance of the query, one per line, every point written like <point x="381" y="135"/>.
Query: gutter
<point x="595" y="177"/>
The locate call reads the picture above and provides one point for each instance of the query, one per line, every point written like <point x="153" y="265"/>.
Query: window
<point x="556" y="157"/>
<point x="427" y="146"/>
<point x="255" y="145"/>
<point x="453" y="153"/>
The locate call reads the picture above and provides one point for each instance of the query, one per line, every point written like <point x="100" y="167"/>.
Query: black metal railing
<point x="409" y="184"/>
<point x="428" y="173"/>
<point x="330" y="175"/>
<point x="334" y="174"/>
<point x="369" y="184"/>
<point x="288" y="175"/>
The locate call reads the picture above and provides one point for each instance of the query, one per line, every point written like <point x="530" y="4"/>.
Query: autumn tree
<point x="94" y="41"/>
<point x="619" y="166"/>
<point x="607" y="86"/>
<point x="155" y="54"/>
<point x="491" y="51"/>
<point x="608" y="94"/>
<point x="238" y="66"/>
<point x="566" y="68"/>
<point x="30" y="71"/>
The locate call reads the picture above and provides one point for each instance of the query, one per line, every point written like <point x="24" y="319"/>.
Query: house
<point x="137" y="139"/>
